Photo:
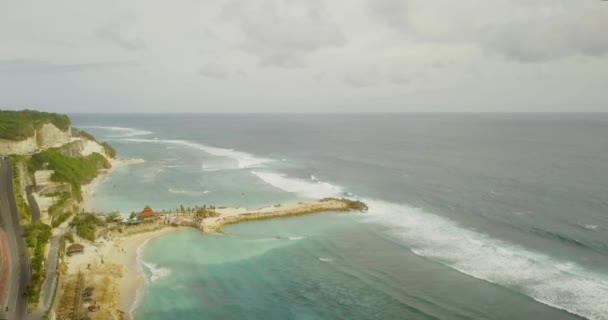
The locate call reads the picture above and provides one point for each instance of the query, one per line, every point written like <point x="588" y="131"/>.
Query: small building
<point x="147" y="214"/>
<point x="74" y="248"/>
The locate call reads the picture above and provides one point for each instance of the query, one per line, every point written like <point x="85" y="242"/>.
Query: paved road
<point x="33" y="205"/>
<point x="19" y="276"/>
<point x="48" y="286"/>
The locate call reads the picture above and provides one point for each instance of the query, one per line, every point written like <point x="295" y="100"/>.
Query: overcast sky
<point x="304" y="55"/>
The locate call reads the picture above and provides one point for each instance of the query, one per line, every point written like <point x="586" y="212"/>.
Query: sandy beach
<point x="124" y="252"/>
<point x="114" y="264"/>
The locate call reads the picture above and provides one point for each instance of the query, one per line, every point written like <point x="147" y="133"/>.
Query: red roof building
<point x="147" y="213"/>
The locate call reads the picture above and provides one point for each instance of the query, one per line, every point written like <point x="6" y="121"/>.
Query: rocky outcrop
<point x="50" y="136"/>
<point x="80" y="147"/>
<point x="45" y="137"/>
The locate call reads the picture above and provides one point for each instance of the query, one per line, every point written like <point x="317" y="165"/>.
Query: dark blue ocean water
<point x="471" y="216"/>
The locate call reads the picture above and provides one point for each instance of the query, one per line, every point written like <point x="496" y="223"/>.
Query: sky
<point x="299" y="56"/>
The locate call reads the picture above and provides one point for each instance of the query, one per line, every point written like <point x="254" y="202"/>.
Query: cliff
<point x="47" y="136"/>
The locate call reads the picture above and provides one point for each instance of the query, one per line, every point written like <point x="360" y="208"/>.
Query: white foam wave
<point x="188" y="192"/>
<point x="156" y="271"/>
<point x="243" y="159"/>
<point x="264" y="239"/>
<point x="560" y="284"/>
<point x="139" y="294"/>
<point x="304" y="188"/>
<point x="296" y="238"/>
<point x="326" y="259"/>
<point x="592" y="227"/>
<point x="120" y="131"/>
<point x="209" y="168"/>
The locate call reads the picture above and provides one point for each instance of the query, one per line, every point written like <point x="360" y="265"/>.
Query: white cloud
<point x="305" y="55"/>
<point x="282" y="33"/>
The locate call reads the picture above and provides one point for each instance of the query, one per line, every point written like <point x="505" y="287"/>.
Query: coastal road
<point x="48" y="286"/>
<point x="33" y="205"/>
<point x="19" y="277"/>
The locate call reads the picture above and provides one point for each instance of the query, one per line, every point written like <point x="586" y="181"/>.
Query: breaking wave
<point x="558" y="283"/>
<point x="119" y="132"/>
<point x="243" y="159"/>
<point x="193" y="193"/>
<point x="156" y="271"/>
<point x="304" y="188"/>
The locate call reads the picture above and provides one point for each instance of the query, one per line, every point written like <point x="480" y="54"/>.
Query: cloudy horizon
<point x="299" y="56"/>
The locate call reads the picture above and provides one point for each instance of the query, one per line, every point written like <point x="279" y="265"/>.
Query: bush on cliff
<point x="19" y="125"/>
<point x="110" y="151"/>
<point x="37" y="235"/>
<point x="75" y="171"/>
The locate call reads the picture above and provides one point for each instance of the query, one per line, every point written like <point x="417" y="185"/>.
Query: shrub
<point x="75" y="171"/>
<point x="20" y="125"/>
<point x="86" y="224"/>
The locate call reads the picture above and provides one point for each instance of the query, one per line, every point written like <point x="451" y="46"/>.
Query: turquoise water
<point x="319" y="267"/>
<point x="471" y="216"/>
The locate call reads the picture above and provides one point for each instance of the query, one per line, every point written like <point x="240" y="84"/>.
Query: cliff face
<point x="28" y="145"/>
<point x="49" y="136"/>
<point x="45" y="137"/>
<point x="80" y="147"/>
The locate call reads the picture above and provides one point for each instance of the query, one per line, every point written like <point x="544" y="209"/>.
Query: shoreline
<point x="117" y="262"/>
<point x="133" y="282"/>
<point x="89" y="190"/>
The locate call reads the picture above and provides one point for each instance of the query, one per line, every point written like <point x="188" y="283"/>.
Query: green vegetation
<point x="59" y="200"/>
<point x="25" y="212"/>
<point x="20" y="125"/>
<point x="36" y="237"/>
<point x="75" y="171"/>
<point x="110" y="151"/>
<point x="69" y="236"/>
<point x="111" y="216"/>
<point x="86" y="224"/>
<point x="82" y="134"/>
<point x="60" y="219"/>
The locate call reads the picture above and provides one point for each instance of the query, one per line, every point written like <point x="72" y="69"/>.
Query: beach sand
<point x="114" y="264"/>
<point x="125" y="252"/>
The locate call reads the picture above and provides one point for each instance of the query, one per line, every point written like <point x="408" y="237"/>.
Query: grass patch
<point x="60" y="219"/>
<point x="110" y="151"/>
<point x="20" y="125"/>
<point x="62" y="198"/>
<point x="36" y="237"/>
<point x="75" y="171"/>
<point x="86" y="225"/>
<point x="25" y="212"/>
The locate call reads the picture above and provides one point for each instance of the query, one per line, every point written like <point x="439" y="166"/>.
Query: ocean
<point x="472" y="216"/>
